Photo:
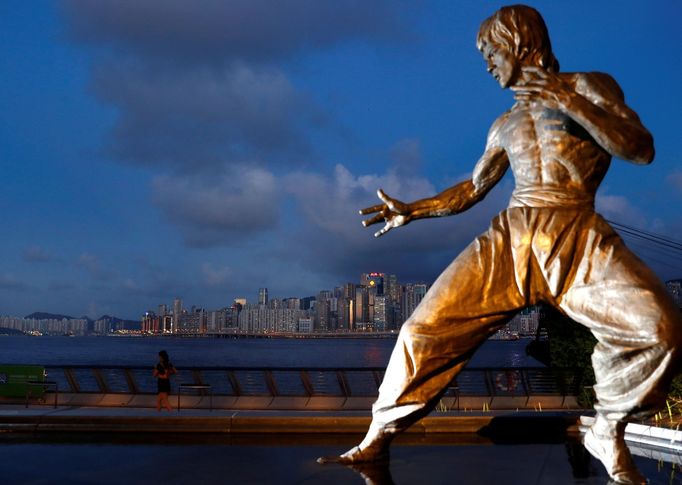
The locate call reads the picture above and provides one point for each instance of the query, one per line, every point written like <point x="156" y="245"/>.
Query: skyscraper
<point x="412" y="295"/>
<point x="345" y="307"/>
<point x="177" y="313"/>
<point x="380" y="317"/>
<point x="360" y="303"/>
<point x="373" y="280"/>
<point x="322" y="312"/>
<point x="262" y="296"/>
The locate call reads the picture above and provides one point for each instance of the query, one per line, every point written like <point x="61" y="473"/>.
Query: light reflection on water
<point x="208" y="352"/>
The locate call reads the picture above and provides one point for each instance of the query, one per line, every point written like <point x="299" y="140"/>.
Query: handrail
<point x="309" y="382"/>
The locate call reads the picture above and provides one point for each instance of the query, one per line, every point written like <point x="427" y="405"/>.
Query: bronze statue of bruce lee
<point x="549" y="245"/>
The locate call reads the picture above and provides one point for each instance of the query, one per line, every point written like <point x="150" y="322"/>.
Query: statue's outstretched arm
<point x="458" y="198"/>
<point x="596" y="103"/>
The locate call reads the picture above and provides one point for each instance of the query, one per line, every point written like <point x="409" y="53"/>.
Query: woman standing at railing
<point x="163" y="370"/>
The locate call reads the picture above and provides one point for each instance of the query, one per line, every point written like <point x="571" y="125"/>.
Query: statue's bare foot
<point x="611" y="450"/>
<point x="373" y="449"/>
<point x="370" y="454"/>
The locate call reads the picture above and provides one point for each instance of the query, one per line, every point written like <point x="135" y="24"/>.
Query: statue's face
<point x="502" y="64"/>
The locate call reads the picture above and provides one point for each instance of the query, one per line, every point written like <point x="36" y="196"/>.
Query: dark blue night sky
<point x="162" y="148"/>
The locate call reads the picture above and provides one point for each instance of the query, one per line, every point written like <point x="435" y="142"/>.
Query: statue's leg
<point x="473" y="297"/>
<point x="638" y="329"/>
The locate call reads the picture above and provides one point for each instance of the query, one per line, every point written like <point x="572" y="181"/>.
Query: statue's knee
<point x="669" y="328"/>
<point x="411" y="327"/>
<point x="407" y="328"/>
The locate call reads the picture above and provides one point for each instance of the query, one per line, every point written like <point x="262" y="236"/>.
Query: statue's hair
<point x="522" y="31"/>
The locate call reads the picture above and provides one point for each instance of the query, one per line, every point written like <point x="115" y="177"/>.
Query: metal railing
<point x="310" y="382"/>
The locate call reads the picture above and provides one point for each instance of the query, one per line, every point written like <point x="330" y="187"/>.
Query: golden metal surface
<point x="548" y="246"/>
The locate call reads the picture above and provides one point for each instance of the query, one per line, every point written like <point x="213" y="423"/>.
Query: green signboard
<point x="14" y="378"/>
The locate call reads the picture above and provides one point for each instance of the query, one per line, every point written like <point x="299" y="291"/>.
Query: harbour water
<point x="210" y="352"/>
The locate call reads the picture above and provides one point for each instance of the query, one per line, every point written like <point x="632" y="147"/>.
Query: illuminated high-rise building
<point x="322" y="311"/>
<point x="361" y="310"/>
<point x="177" y="314"/>
<point x="373" y="280"/>
<point x="292" y="303"/>
<point x="345" y="307"/>
<point x="380" y="317"/>
<point x="411" y="296"/>
<point x="262" y="296"/>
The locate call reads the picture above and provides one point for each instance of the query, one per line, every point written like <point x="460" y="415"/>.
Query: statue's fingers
<point x="372" y="210"/>
<point x="390" y="203"/>
<point x="538" y="71"/>
<point x="383" y="230"/>
<point x="527" y="88"/>
<point x="373" y="220"/>
<point x="382" y="195"/>
<point x="523" y="95"/>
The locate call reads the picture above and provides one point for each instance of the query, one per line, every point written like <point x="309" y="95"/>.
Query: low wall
<point x="314" y="403"/>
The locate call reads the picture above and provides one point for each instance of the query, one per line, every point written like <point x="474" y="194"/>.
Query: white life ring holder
<point x="507" y="381"/>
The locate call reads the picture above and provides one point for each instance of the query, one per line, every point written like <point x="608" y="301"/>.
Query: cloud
<point x="619" y="209"/>
<point x="11" y="283"/>
<point x="332" y="202"/>
<point x="36" y="254"/>
<point x="337" y="244"/>
<point x="218" y="211"/>
<point x="675" y="179"/>
<point x="130" y="285"/>
<point x="148" y="288"/>
<point x="201" y="84"/>
<point x="60" y="286"/>
<point x="93" y="266"/>
<point x="407" y="157"/>
<point x="215" y="276"/>
<point x="216" y="31"/>
<point x="203" y="118"/>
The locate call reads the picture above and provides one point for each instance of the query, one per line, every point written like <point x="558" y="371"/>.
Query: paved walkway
<point x="114" y="419"/>
<point x="139" y="445"/>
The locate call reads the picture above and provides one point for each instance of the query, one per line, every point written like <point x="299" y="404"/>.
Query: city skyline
<point x="375" y="302"/>
<point x="144" y="158"/>
<point x="401" y="300"/>
<point x="251" y="298"/>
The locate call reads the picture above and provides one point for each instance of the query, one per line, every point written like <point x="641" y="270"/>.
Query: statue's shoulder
<point x="596" y="85"/>
<point x="500" y="121"/>
<point x="496" y="128"/>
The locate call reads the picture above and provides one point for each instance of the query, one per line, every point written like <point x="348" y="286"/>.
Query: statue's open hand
<point x="544" y="87"/>
<point x="393" y="212"/>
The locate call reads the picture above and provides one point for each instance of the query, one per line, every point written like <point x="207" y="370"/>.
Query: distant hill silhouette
<point x="49" y="316"/>
<point x="127" y="324"/>
<point x="109" y="318"/>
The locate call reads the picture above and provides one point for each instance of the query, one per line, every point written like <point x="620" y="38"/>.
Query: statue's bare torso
<point x="558" y="138"/>
<point x="555" y="161"/>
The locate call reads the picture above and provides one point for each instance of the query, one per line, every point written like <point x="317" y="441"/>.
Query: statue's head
<point x="513" y="37"/>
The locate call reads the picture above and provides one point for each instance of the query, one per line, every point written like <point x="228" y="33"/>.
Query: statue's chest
<point x="540" y="129"/>
<point x="520" y="132"/>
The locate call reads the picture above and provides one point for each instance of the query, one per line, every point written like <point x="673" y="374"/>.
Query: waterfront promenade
<point x="269" y="424"/>
<point x="107" y="445"/>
